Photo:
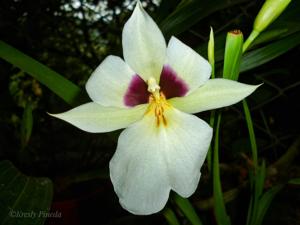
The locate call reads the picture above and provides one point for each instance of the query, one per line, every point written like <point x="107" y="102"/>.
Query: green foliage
<point x="219" y="205"/>
<point x="170" y="217"/>
<point x="295" y="181"/>
<point x="233" y="54"/>
<point x="251" y="133"/>
<point x="265" y="54"/>
<point x="22" y="194"/>
<point x="189" y="13"/>
<point x="187" y="209"/>
<point x="54" y="81"/>
<point x="260" y="201"/>
<point x="27" y="123"/>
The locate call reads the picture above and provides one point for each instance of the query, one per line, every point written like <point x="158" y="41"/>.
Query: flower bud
<point x="211" y="50"/>
<point x="268" y="13"/>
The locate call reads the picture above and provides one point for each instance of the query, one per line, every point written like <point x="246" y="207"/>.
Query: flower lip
<point x="157" y="107"/>
<point x="171" y="85"/>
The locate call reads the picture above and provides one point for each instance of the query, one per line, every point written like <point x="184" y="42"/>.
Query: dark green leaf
<point x="54" y="81"/>
<point x="294" y="181"/>
<point x="187" y="209"/>
<point x="27" y="123"/>
<point x="170" y="217"/>
<point x="24" y="200"/>
<point x="190" y="12"/>
<point x="265" y="54"/>
<point x="219" y="205"/>
<point x="265" y="202"/>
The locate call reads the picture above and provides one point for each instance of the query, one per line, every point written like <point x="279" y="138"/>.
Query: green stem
<point x="170" y="217"/>
<point x="211" y="58"/>
<point x="220" y="210"/>
<point x="209" y="153"/>
<point x="251" y="134"/>
<point x="250" y="39"/>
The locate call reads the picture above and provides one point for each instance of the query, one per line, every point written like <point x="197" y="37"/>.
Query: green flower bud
<point x="268" y="13"/>
<point x="211" y="51"/>
<point x="270" y="10"/>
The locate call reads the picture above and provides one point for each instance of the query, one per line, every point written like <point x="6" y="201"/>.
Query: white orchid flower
<point x="151" y="95"/>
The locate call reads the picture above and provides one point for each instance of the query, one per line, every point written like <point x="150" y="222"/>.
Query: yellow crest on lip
<point x="157" y="103"/>
<point x="157" y="107"/>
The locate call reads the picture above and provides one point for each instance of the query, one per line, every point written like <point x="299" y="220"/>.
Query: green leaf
<point x="270" y="35"/>
<point x="265" y="202"/>
<point x="219" y="206"/>
<point x="22" y="195"/>
<point x="251" y="133"/>
<point x="164" y="9"/>
<point x="294" y="181"/>
<point x="187" y="209"/>
<point x="265" y="54"/>
<point x="259" y="183"/>
<point x="54" y="81"/>
<point x="260" y="179"/>
<point x="27" y="123"/>
<point x="170" y="216"/>
<point x="189" y="13"/>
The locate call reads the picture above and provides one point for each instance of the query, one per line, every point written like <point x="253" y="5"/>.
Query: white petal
<point x="188" y="64"/>
<point x="185" y="144"/>
<point x="215" y="93"/>
<point x="150" y="160"/>
<point x="109" y="82"/>
<point x="94" y="118"/>
<point x="144" y="46"/>
<point x="138" y="171"/>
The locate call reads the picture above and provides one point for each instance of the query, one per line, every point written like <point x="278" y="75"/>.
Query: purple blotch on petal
<point x="136" y="93"/>
<point x="172" y="85"/>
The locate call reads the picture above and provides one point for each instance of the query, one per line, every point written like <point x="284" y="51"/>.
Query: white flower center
<point x="153" y="87"/>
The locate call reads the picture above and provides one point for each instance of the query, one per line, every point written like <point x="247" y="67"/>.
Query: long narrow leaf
<point x="265" y="54"/>
<point x="26" y="126"/>
<point x="294" y="181"/>
<point x="251" y="133"/>
<point x="219" y="205"/>
<point x="265" y="203"/>
<point x="170" y="217"/>
<point x="22" y="195"/>
<point x="54" y="81"/>
<point x="187" y="209"/>
<point x="192" y="12"/>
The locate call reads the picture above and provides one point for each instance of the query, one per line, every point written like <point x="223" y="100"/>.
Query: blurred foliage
<point x="73" y="37"/>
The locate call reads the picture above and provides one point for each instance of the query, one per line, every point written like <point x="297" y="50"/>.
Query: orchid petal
<point x="150" y="160"/>
<point x="138" y="172"/>
<point x="185" y="144"/>
<point x="215" y="93"/>
<point x="95" y="118"/>
<point x="144" y="46"/>
<point x="109" y="82"/>
<point x="192" y="68"/>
